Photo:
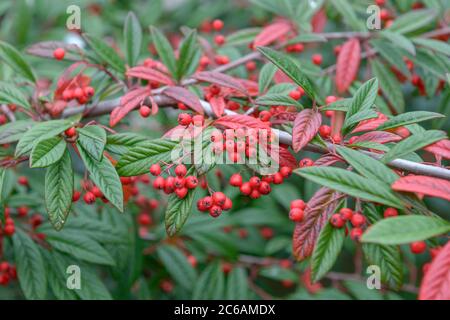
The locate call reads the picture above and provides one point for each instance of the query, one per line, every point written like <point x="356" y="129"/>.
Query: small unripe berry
<point x="145" y="111"/>
<point x="59" y="53"/>
<point x="337" y="221"/>
<point x="296" y="215"/>
<point x="390" y="212"/>
<point x="418" y="247"/>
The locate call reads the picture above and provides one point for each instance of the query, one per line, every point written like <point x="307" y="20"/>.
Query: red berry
<point x="296" y="214"/>
<point x="78" y="93"/>
<point x="295" y="94"/>
<point x="184" y="119"/>
<point x="217" y="24"/>
<point x="71" y="132"/>
<point x="286" y="171"/>
<point x="266" y="232"/>
<point x="97" y="192"/>
<point x="169" y="185"/>
<point x="278" y="178"/>
<point x="181" y="192"/>
<point x="255" y="194"/>
<point x="144" y="219"/>
<point x="191" y="182"/>
<point x="208" y="202"/>
<point x="155" y="169"/>
<point x="227" y="205"/>
<point x="390" y="212"/>
<point x="22" y="211"/>
<point x="358" y="220"/>
<point x="23" y="180"/>
<point x="236" y="180"/>
<point x="336" y="138"/>
<point x="356" y="234"/>
<point x="219" y="198"/>
<point x="317" y="59"/>
<point x="201" y="205"/>
<point x="219" y="39"/>
<point x="346" y="213"/>
<point x="418" y="247"/>
<point x="306" y="162"/>
<point x="264" y="188"/>
<point x="9" y="229"/>
<point x="4" y="266"/>
<point x="325" y="131"/>
<point x="3" y="119"/>
<point x="76" y="196"/>
<point x="265" y="115"/>
<point x="380" y="2"/>
<point x="159" y="183"/>
<point x="221" y="59"/>
<point x="298" y="203"/>
<point x="179" y="182"/>
<point x="180" y="170"/>
<point x="145" y="111"/>
<point x="89" y="91"/>
<point x="337" y="221"/>
<point x="255" y="182"/>
<point x="89" y="198"/>
<point x="330" y="99"/>
<point x="250" y="66"/>
<point x="352" y="140"/>
<point x="246" y="188"/>
<point x="215" y="211"/>
<point x="192" y="260"/>
<point x="59" y="53"/>
<point x="127" y="180"/>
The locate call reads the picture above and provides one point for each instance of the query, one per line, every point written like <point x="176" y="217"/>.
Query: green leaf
<point x="399" y="40"/>
<point x="285" y="64"/>
<point x="361" y="292"/>
<point x="47" y="152"/>
<point x="435" y="45"/>
<point x="12" y="131"/>
<point x="188" y="50"/>
<point x="327" y="249"/>
<point x="120" y="143"/>
<point x="178" y="266"/>
<point x="10" y="94"/>
<point x="367" y="166"/>
<point x="413" y="143"/>
<point x="405" y="229"/>
<point x="391" y="54"/>
<point x="364" y="98"/>
<point x="389" y="260"/>
<point x="412" y="21"/>
<point x="30" y="266"/>
<point x="351" y="183"/>
<point x="430" y="61"/>
<point x="237" y="284"/>
<point x="408" y="118"/>
<point x="59" y="190"/>
<point x="177" y="212"/>
<point x="14" y="59"/>
<point x="132" y="33"/>
<point x="138" y="160"/>
<point x="389" y="85"/>
<point x="242" y="36"/>
<point x="2" y="181"/>
<point x="353" y="120"/>
<point x="265" y="76"/>
<point x="80" y="247"/>
<point x="93" y="140"/>
<point x="306" y="38"/>
<point x="164" y="50"/>
<point x="210" y="284"/>
<point x="104" y="175"/>
<point x="39" y="132"/>
<point x="276" y="99"/>
<point x="105" y="52"/>
<point x="348" y="15"/>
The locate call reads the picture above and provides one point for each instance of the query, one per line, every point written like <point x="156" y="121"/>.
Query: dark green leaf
<point x="132" y="33"/>
<point x="389" y="85"/>
<point x="399" y="40"/>
<point x="265" y="76"/>
<point x="435" y="45"/>
<point x="412" y="20"/>
<point x="47" y="152"/>
<point x="237" y="284"/>
<point x="93" y="140"/>
<point x="10" y="94"/>
<point x="14" y="59"/>
<point x="12" y="131"/>
<point x="178" y="266"/>
<point x="164" y="49"/>
<point x="276" y="99"/>
<point x="408" y="118"/>
<point x="177" y="212"/>
<point x="105" y="52"/>
<point x="188" y="50"/>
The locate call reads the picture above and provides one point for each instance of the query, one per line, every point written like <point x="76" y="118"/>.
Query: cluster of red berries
<point x="185" y="119"/>
<point x="297" y="93"/>
<point x="81" y="93"/>
<point x="215" y="204"/>
<point x="357" y="220"/>
<point x="297" y="210"/>
<point x="295" y="48"/>
<point x="7" y="272"/>
<point x="180" y="184"/>
<point x="8" y="229"/>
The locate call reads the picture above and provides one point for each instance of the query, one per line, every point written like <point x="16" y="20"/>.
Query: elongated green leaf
<point x="81" y="247"/>
<point x="164" y="49"/>
<point x="389" y="85"/>
<point x="104" y="175"/>
<point x="105" y="52"/>
<point x="47" y="152"/>
<point x="237" y="284"/>
<point x="285" y="64"/>
<point x="132" y="33"/>
<point x="430" y="61"/>
<point x="405" y="229"/>
<point x="242" y="36"/>
<point x="39" y="132"/>
<point x="211" y="283"/>
<point x="413" y="143"/>
<point x="276" y="99"/>
<point x="353" y="120"/>
<point x="389" y="260"/>
<point x="391" y="54"/>
<point x="363" y="99"/>
<point x="2" y="181"/>
<point x="326" y="251"/>
<point x="177" y="212"/>
<point x="139" y="159"/>
<point x="348" y="14"/>
<point x="265" y="76"/>
<point x="59" y="190"/>
<point x="178" y="266"/>
<point x="188" y="50"/>
<point x="351" y="183"/>
<point x="10" y="94"/>
<point x="14" y="59"/>
<point x="367" y="166"/>
<point x="93" y="140"/>
<point x="12" y="131"/>
<point x="30" y="266"/>
<point x="435" y="45"/>
<point x="408" y="118"/>
<point x="412" y="21"/>
<point x="399" y="40"/>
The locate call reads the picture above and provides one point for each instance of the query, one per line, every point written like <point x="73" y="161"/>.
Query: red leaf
<point x="271" y="33"/>
<point x="240" y="121"/>
<point x="440" y="148"/>
<point x="369" y="125"/>
<point x="322" y="204"/>
<point x="306" y="126"/>
<point x="436" y="282"/>
<point x="281" y="155"/>
<point x="429" y="186"/>
<point x="127" y="103"/>
<point x="281" y="77"/>
<point x="217" y="105"/>
<point x="319" y="21"/>
<point x="326" y="160"/>
<point x="347" y="64"/>
<point x="185" y="96"/>
<point x="378" y="137"/>
<point x="220" y="79"/>
<point x="149" y="74"/>
<point x="45" y="49"/>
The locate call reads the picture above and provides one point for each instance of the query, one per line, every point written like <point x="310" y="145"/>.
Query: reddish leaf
<point x="45" y="49"/>
<point x="347" y="64"/>
<point x="326" y="160"/>
<point x="271" y="33"/>
<point x="319" y="208"/>
<point x="379" y="137"/>
<point x="185" y="96"/>
<point x="436" y="282"/>
<point x="220" y="79"/>
<point x="127" y="103"/>
<point x="369" y="125"/>
<point x="217" y="105"/>
<point x="429" y="186"/>
<point x="281" y="77"/>
<point x="281" y="155"/>
<point x="319" y="21"/>
<point x="306" y="126"/>
<point x="240" y="121"/>
<point x="440" y="148"/>
<point x="149" y="74"/>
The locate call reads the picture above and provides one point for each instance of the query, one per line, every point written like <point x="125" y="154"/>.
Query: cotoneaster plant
<point x="352" y="166"/>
